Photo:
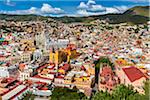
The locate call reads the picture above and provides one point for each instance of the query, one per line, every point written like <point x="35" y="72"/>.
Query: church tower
<point x="53" y="57"/>
<point x="40" y="40"/>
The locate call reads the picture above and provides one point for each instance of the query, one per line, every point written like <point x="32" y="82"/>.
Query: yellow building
<point x="53" y="57"/>
<point x="68" y="52"/>
<point x="122" y="62"/>
<point x="59" y="56"/>
<point x="62" y="71"/>
<point x="79" y="82"/>
<point x="27" y="44"/>
<point x="90" y="68"/>
<point x="83" y="82"/>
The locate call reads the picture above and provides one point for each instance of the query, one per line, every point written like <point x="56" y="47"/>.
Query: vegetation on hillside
<point x="113" y="19"/>
<point x="135" y="15"/>
<point x="21" y="17"/>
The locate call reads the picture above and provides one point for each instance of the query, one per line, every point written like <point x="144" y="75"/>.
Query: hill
<point x="135" y="15"/>
<point x="139" y="10"/>
<point x="113" y="18"/>
<point x="21" y="17"/>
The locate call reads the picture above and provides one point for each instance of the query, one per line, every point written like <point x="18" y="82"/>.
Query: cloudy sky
<point x="67" y="7"/>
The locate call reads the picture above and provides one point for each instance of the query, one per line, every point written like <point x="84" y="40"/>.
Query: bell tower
<point x="53" y="56"/>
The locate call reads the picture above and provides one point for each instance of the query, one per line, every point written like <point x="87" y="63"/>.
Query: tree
<point x="27" y="96"/>
<point x="123" y="92"/>
<point x="97" y="63"/>
<point x="102" y="96"/>
<point x="66" y="94"/>
<point x="147" y="90"/>
<point x="104" y="60"/>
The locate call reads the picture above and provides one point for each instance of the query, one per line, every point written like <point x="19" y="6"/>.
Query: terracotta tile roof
<point x="44" y="88"/>
<point x="60" y="76"/>
<point x="22" y="66"/>
<point x="133" y="73"/>
<point x="83" y="68"/>
<point x="65" y="67"/>
<point x="45" y="71"/>
<point x="40" y="82"/>
<point x="40" y="68"/>
<point x="37" y="76"/>
<point x="71" y="47"/>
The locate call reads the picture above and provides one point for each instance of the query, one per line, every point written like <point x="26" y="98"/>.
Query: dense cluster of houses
<point x="38" y="56"/>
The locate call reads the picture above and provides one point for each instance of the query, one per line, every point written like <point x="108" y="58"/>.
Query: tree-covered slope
<point x="135" y="15"/>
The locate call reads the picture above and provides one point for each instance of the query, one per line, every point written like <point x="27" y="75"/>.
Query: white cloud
<point x="9" y="3"/>
<point x="107" y="11"/>
<point x="121" y="8"/>
<point x="32" y="10"/>
<point x="86" y="13"/>
<point x="111" y="10"/>
<point x="83" y="12"/>
<point x="91" y="2"/>
<point x="91" y="8"/>
<point x="96" y="8"/>
<point x="84" y="9"/>
<point x="45" y="9"/>
<point x="82" y="6"/>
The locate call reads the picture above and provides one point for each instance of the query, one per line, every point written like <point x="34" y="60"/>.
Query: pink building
<point x="107" y="79"/>
<point x="133" y="76"/>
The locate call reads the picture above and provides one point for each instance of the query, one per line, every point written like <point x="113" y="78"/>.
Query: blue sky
<point x="68" y="7"/>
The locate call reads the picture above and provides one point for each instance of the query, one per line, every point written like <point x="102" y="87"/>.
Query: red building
<point x="107" y="79"/>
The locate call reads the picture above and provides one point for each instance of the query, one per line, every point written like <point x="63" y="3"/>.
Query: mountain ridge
<point x="135" y="15"/>
<point x="139" y="10"/>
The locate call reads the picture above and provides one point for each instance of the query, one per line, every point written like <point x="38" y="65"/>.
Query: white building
<point x="25" y="74"/>
<point x="15" y="93"/>
<point x="40" y="40"/>
<point x="4" y="72"/>
<point x="37" y="55"/>
<point x="60" y="43"/>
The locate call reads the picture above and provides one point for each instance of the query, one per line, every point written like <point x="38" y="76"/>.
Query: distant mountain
<point x="112" y="18"/>
<point x="135" y="15"/>
<point x="139" y="10"/>
<point x="22" y="17"/>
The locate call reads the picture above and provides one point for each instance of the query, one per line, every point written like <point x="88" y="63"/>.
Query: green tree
<point x="147" y="90"/>
<point x="102" y="60"/>
<point x="122" y="92"/>
<point x="66" y="94"/>
<point x="27" y="96"/>
<point x="102" y="96"/>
